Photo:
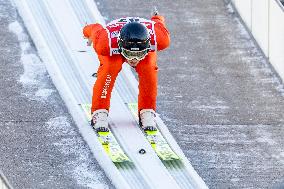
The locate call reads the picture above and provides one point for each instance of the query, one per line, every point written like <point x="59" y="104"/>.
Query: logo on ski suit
<point x="114" y="27"/>
<point x="106" y="86"/>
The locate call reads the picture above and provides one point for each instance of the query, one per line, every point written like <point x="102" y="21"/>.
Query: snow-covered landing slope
<point x="55" y="27"/>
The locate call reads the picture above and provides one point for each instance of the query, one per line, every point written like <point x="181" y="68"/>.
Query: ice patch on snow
<point x="266" y="140"/>
<point x="204" y="107"/>
<point x="212" y="103"/>
<point x="25" y="46"/>
<point x="84" y="176"/>
<point x="16" y="28"/>
<point x="178" y="96"/>
<point x="34" y="69"/>
<point x="279" y="157"/>
<point x="71" y="145"/>
<point x="193" y="21"/>
<point x="265" y="75"/>
<point x="230" y="8"/>
<point x="265" y="137"/>
<point x="44" y="93"/>
<point x="60" y="125"/>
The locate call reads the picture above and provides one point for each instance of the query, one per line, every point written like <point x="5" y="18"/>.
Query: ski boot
<point x="99" y="120"/>
<point x="147" y="120"/>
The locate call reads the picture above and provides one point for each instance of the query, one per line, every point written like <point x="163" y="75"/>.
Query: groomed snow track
<point x="55" y="27"/>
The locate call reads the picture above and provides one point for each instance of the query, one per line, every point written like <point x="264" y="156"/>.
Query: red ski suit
<point x="111" y="64"/>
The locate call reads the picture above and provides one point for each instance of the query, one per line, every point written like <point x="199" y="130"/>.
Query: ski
<point x="107" y="140"/>
<point x="155" y="138"/>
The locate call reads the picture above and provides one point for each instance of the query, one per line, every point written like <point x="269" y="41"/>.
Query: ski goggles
<point x="130" y="55"/>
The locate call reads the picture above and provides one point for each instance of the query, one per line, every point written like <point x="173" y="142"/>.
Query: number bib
<point x="114" y="27"/>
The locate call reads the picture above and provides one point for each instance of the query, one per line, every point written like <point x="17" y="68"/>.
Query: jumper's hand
<point x="155" y="11"/>
<point x="89" y="42"/>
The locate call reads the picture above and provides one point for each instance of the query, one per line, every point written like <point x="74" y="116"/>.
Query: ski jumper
<point x="105" y="44"/>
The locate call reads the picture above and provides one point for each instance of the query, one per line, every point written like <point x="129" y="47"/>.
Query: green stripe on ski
<point x="155" y="138"/>
<point x="103" y="134"/>
<point x="112" y="148"/>
<point x="108" y="141"/>
<point x="151" y="132"/>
